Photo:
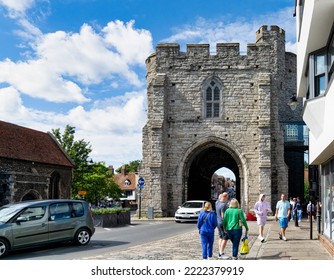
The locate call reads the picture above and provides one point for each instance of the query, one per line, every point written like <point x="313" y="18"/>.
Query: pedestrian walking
<point x="299" y="209"/>
<point x="206" y="224"/>
<point x="309" y="210"/>
<point x="231" y="224"/>
<point x="221" y="206"/>
<point x="292" y="207"/>
<point x="282" y="215"/>
<point x="261" y="210"/>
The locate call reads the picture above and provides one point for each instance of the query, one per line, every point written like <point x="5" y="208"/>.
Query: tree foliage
<point x="93" y="178"/>
<point x="132" y="166"/>
<point x="98" y="182"/>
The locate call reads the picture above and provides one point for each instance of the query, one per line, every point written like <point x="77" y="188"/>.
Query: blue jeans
<point x="299" y="214"/>
<point x="235" y="236"/>
<point x="207" y="244"/>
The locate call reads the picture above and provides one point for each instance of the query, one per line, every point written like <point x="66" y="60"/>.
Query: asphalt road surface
<point x="106" y="240"/>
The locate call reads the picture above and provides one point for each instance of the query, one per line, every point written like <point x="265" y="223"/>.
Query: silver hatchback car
<point x="37" y="222"/>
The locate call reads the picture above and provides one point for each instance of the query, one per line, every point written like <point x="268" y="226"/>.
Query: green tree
<point x="132" y="166"/>
<point x="92" y="177"/>
<point x="99" y="183"/>
<point x="78" y="151"/>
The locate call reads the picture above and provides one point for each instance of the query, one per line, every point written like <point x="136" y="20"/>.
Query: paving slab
<point x="187" y="246"/>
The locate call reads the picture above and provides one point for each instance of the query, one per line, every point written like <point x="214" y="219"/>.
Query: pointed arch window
<point x="212" y="100"/>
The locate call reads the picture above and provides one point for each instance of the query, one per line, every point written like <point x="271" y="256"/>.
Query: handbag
<point x="240" y="221"/>
<point x="244" y="249"/>
<point x="203" y="222"/>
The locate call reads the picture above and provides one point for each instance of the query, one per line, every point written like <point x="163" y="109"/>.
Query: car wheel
<point x="4" y="247"/>
<point x="82" y="237"/>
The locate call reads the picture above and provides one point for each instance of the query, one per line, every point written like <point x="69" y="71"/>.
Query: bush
<point x="100" y="211"/>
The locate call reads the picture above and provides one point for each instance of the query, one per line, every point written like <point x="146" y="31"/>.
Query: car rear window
<point x="66" y="210"/>
<point x="78" y="209"/>
<point x="59" y="211"/>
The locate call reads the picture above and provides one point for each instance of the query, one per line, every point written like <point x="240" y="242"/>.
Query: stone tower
<point x="207" y="111"/>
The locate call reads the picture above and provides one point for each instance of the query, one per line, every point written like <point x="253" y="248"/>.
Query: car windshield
<point x="192" y="205"/>
<point x="7" y="212"/>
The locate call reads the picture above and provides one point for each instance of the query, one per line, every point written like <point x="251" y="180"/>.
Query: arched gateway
<point x="210" y="111"/>
<point x="200" y="163"/>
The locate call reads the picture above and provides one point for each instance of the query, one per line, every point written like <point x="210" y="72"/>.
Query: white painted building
<point x="315" y="66"/>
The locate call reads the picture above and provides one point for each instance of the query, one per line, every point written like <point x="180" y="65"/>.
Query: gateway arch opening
<point x="203" y="166"/>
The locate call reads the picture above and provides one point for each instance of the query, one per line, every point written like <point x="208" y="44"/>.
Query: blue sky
<point x="82" y="62"/>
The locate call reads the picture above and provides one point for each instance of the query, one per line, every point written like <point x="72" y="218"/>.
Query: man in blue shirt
<point x="282" y="215"/>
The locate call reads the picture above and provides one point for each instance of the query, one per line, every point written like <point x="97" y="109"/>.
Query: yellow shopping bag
<point x="244" y="246"/>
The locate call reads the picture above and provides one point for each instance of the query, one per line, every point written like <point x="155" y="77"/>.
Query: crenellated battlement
<point x="263" y="35"/>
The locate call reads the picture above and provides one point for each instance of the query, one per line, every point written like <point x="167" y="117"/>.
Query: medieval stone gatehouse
<point x="207" y="111"/>
<point x="32" y="165"/>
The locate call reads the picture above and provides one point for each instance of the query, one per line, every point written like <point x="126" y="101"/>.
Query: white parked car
<point x="189" y="211"/>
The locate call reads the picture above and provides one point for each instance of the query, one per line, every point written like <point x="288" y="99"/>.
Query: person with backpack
<point x="206" y="224"/>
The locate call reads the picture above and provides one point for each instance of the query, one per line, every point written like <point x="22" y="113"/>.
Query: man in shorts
<point x="282" y="215"/>
<point x="221" y="206"/>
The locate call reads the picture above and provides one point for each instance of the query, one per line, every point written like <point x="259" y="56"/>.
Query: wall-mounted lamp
<point x="293" y="102"/>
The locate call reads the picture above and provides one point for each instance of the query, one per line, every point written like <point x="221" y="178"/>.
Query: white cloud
<point x="37" y="79"/>
<point x="237" y="30"/>
<point x="124" y="38"/>
<point x="64" y="62"/>
<point x="67" y="67"/>
<point x="10" y="102"/>
<point x="17" y="8"/>
<point x="113" y="126"/>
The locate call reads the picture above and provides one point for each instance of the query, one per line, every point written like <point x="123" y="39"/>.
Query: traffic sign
<point x="141" y="182"/>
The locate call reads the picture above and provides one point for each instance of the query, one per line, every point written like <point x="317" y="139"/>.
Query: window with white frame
<point x="318" y="75"/>
<point x="321" y="68"/>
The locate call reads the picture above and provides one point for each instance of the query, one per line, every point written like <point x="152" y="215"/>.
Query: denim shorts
<point x="283" y="222"/>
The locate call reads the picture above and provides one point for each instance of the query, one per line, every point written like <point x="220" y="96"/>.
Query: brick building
<point x="32" y="165"/>
<point x="207" y="111"/>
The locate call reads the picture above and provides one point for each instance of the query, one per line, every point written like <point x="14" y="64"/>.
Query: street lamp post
<point x="311" y="226"/>
<point x="141" y="183"/>
<point x="139" y="194"/>
<point x="319" y="217"/>
<point x="293" y="102"/>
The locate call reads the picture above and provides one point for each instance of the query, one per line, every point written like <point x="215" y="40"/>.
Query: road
<point x="106" y="240"/>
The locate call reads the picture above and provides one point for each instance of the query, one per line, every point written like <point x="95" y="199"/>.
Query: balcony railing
<point x="295" y="133"/>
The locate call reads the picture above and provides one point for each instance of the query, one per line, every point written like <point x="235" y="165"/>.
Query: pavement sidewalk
<point x="187" y="246"/>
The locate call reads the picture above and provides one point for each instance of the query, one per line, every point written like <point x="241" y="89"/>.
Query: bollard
<point x="150" y="213"/>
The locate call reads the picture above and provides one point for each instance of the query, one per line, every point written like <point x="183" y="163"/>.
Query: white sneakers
<point x="261" y="238"/>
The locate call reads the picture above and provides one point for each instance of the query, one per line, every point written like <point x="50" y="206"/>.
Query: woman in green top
<point x="231" y="225"/>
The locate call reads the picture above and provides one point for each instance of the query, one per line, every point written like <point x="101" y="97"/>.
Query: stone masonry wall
<point x="249" y="124"/>
<point x="19" y="178"/>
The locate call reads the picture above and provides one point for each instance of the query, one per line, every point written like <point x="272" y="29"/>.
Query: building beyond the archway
<point x="207" y="111"/>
